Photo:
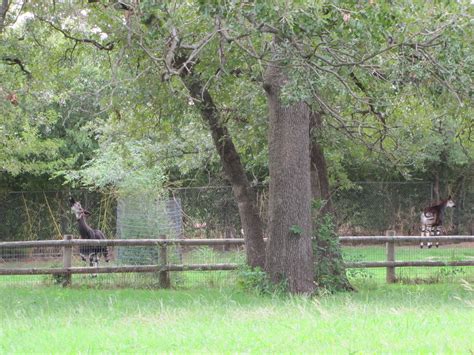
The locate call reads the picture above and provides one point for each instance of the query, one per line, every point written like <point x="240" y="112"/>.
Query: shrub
<point x="329" y="272"/>
<point x="256" y="280"/>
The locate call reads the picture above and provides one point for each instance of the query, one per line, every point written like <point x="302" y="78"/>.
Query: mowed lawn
<point x="378" y="318"/>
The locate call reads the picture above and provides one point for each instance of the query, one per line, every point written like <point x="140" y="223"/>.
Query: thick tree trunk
<point x="289" y="252"/>
<point x="330" y="272"/>
<point x="244" y="194"/>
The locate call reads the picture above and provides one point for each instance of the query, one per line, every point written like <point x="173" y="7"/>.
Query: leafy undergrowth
<point x="379" y="318"/>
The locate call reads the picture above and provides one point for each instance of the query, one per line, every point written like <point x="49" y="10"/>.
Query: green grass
<point x="380" y="318"/>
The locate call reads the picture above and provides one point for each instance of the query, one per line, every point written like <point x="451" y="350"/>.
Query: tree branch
<point x="198" y="47"/>
<point x="17" y="61"/>
<point x="361" y="86"/>
<point x="3" y="13"/>
<point x="107" y="47"/>
<point x="171" y="52"/>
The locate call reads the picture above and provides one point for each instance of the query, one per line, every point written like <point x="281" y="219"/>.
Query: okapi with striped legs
<point x="432" y="219"/>
<point x="90" y="252"/>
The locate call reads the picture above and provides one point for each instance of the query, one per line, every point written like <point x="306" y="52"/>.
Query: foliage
<point x="46" y="130"/>
<point x="296" y="230"/>
<point x="128" y="168"/>
<point x="256" y="280"/>
<point x="57" y="279"/>
<point x="329" y="265"/>
<point x="408" y="110"/>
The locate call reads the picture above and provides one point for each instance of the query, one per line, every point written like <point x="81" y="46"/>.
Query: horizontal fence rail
<point x="164" y="267"/>
<point x="120" y="242"/>
<point x="406" y="239"/>
<point x="428" y="263"/>
<point x="118" y="269"/>
<point x="366" y="240"/>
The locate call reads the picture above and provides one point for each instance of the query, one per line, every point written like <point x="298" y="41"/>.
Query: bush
<point x="256" y="280"/>
<point x="329" y="272"/>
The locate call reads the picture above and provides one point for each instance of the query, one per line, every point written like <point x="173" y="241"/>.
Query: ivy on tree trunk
<point x="330" y="272"/>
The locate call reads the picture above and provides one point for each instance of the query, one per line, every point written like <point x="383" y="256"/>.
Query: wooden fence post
<point x="164" y="276"/>
<point x="67" y="261"/>
<point x="390" y="257"/>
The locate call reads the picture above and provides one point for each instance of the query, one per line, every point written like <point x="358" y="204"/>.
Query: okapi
<point x="91" y="252"/>
<point x="432" y="219"/>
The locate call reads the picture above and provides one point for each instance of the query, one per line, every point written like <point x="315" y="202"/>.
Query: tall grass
<point x="377" y="318"/>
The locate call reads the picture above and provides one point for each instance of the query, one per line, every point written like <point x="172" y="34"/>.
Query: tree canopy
<point x="394" y="82"/>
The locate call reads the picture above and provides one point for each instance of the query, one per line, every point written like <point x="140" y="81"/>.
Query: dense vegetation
<point x="63" y="97"/>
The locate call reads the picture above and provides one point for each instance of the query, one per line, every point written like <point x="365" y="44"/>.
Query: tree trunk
<point x="319" y="167"/>
<point x="3" y="14"/>
<point x="289" y="253"/>
<point x="330" y="272"/>
<point x="436" y="193"/>
<point x="244" y="194"/>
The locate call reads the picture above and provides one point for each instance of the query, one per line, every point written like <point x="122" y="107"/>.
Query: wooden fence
<point x="163" y="268"/>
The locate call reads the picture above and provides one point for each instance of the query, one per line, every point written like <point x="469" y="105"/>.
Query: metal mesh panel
<point x="145" y="216"/>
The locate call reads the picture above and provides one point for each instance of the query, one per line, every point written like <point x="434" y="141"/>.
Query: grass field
<point x="378" y="318"/>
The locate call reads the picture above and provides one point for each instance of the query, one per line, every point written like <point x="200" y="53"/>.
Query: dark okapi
<point x="432" y="219"/>
<point x="90" y="252"/>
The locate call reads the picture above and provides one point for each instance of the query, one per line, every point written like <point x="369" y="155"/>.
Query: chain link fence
<point x="211" y="212"/>
<point x="45" y="215"/>
<point x="371" y="208"/>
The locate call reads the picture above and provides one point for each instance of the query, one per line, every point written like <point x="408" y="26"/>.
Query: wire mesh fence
<point x="446" y="252"/>
<point x="209" y="212"/>
<point x="453" y="260"/>
<point x="365" y="209"/>
<point x="37" y="265"/>
<point x="147" y="216"/>
<point x="44" y="215"/>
